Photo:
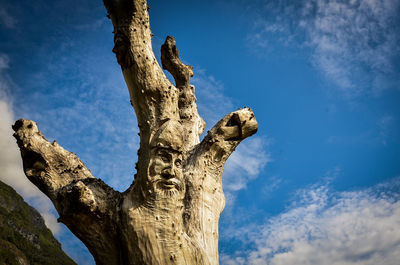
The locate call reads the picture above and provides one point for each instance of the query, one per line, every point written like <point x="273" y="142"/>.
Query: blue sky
<point x="320" y="181"/>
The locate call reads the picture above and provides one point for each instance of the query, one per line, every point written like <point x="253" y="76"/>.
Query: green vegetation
<point x="24" y="238"/>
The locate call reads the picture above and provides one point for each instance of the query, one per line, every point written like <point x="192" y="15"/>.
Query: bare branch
<point x="226" y="135"/>
<point x="205" y="199"/>
<point x="47" y="165"/>
<point x="182" y="73"/>
<point x="170" y="213"/>
<point x="171" y="62"/>
<point x="90" y="209"/>
<point x="85" y="204"/>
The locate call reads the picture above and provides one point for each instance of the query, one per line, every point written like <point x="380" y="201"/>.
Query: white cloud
<point x="11" y="171"/>
<point x="251" y="156"/>
<point x="326" y="227"/>
<point x="245" y="163"/>
<point x="348" y="39"/>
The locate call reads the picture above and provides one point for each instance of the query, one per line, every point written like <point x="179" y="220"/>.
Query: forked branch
<point x="170" y="214"/>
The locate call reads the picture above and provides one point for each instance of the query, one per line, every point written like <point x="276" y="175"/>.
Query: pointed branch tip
<point x="171" y="62"/>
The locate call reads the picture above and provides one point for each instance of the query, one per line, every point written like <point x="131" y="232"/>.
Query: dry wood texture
<point x="170" y="213"/>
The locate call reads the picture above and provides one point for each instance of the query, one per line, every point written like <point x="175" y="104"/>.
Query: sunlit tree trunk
<point x="170" y="213"/>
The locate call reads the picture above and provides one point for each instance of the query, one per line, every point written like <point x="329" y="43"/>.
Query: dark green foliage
<point x="23" y="234"/>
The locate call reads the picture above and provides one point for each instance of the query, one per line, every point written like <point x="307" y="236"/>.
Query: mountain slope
<point x="24" y="237"/>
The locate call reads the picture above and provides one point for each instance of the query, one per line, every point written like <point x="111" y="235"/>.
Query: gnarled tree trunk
<point x="170" y="213"/>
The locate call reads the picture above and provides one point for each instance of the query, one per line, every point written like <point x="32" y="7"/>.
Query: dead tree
<point x="170" y="213"/>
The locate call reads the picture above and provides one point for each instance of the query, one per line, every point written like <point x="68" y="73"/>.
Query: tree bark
<point x="170" y="213"/>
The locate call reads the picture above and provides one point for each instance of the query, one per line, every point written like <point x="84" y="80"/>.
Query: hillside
<point x="24" y="237"/>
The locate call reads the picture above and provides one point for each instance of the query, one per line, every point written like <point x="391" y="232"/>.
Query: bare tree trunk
<point x="170" y="213"/>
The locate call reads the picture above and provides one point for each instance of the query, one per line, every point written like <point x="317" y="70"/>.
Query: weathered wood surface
<point x="170" y="213"/>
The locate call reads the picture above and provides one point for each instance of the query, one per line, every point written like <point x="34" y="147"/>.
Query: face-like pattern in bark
<point x="165" y="165"/>
<point x="166" y="171"/>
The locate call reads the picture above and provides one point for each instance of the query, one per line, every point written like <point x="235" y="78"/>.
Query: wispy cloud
<point x="272" y="184"/>
<point x="11" y="171"/>
<point x="354" y="43"/>
<point x="246" y="163"/>
<point x="93" y="25"/>
<point x="6" y="19"/>
<point x="251" y="156"/>
<point x="327" y="227"/>
<point x="212" y="103"/>
<point x="88" y="111"/>
<point x="385" y="124"/>
<point x="4" y="63"/>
